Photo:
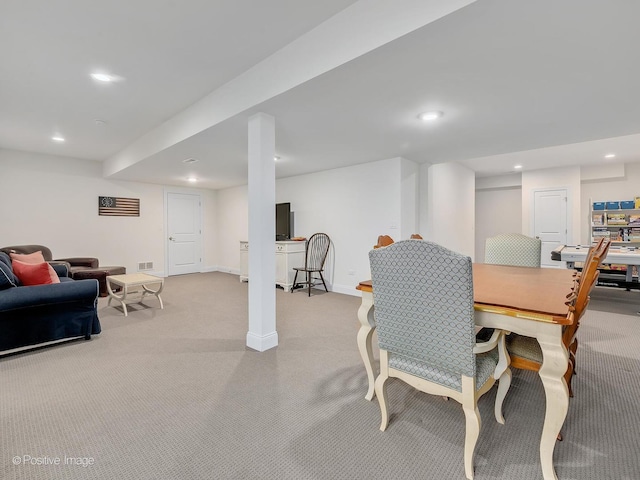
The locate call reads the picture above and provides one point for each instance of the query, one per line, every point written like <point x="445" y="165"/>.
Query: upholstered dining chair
<point x="316" y="252"/>
<point x="424" y="314"/>
<point x="525" y="352"/>
<point x="513" y="249"/>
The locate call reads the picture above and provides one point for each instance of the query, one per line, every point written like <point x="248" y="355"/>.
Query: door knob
<point x="171" y="238"/>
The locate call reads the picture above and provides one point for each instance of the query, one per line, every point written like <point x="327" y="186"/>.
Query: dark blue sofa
<point x="30" y="315"/>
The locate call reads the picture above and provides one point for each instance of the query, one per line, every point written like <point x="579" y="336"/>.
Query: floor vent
<point x="145" y="266"/>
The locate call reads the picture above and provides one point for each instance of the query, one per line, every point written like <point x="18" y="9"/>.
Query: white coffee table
<point x="135" y="286"/>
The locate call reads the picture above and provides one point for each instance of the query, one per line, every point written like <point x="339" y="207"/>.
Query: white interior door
<point x="184" y="229"/>
<point x="550" y="222"/>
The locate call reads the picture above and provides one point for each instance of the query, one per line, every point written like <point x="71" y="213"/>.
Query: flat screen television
<point x="283" y="221"/>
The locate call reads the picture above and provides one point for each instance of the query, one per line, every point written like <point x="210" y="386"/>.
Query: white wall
<point x="498" y="210"/>
<point x="53" y="201"/>
<point x="233" y="226"/>
<point x="409" y="196"/>
<point x="423" y="198"/>
<point x="353" y="205"/>
<point x="451" y="207"/>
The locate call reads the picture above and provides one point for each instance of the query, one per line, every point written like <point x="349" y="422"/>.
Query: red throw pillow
<point x="34" y="273"/>
<point x="35" y="258"/>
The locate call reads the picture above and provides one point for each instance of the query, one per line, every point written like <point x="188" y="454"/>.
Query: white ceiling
<point x="541" y="84"/>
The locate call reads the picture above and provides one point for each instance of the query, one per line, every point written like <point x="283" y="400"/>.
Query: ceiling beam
<point x="357" y="30"/>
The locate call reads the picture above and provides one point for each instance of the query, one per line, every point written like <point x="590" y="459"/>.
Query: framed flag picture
<point x="119" y="206"/>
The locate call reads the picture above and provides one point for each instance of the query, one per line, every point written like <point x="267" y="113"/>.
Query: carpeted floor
<point x="175" y="394"/>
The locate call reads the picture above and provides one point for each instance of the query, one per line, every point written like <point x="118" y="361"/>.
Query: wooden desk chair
<point x="383" y="241"/>
<point x="513" y="249"/>
<point x="416" y="236"/>
<point x="423" y="295"/>
<point x="316" y="252"/>
<point x="525" y="352"/>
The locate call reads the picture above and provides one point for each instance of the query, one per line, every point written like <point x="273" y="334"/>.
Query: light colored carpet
<point x="175" y="394"/>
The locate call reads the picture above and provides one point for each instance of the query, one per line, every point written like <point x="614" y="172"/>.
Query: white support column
<point x="262" y="333"/>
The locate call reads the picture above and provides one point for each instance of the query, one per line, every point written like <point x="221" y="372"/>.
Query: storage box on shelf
<point x="616" y="220"/>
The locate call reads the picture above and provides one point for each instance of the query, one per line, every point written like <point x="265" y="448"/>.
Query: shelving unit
<point x="621" y="225"/>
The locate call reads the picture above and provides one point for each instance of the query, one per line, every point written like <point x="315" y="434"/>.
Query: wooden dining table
<point x="525" y="300"/>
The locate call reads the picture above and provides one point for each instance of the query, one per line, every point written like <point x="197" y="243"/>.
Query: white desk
<point x="617" y="255"/>
<point x="289" y="254"/>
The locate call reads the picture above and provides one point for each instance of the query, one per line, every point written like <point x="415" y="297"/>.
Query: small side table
<point x="135" y="286"/>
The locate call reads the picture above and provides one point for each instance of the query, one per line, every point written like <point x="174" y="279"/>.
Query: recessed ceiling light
<point x="57" y="138"/>
<point x="105" y="77"/>
<point x="610" y="155"/>
<point x="192" y="179"/>
<point x="517" y="167"/>
<point x="102" y="77"/>
<point x="429" y="116"/>
<point x="190" y="160"/>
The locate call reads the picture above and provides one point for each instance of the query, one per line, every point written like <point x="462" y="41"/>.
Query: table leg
<point x="365" y="335"/>
<point x="157" y="292"/>
<point x="113" y="295"/>
<point x="551" y="373"/>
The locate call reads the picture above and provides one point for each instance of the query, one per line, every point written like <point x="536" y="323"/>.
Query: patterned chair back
<point x="423" y="296"/>
<point x="513" y="249"/>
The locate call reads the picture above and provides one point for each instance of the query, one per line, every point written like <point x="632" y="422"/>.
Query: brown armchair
<point x="78" y="268"/>
<point x="73" y="264"/>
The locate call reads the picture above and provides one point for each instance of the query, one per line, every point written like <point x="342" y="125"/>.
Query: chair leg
<point x="325" y="285"/>
<point x="503" y="387"/>
<point x="309" y="283"/>
<point x="473" y="424"/>
<point x="295" y="277"/>
<point x="567" y="378"/>
<point x="381" y="389"/>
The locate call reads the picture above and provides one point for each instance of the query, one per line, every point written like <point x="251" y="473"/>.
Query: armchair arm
<point x="89" y="262"/>
<point x="484" y="347"/>
<point x="61" y="268"/>
<point x="51" y="294"/>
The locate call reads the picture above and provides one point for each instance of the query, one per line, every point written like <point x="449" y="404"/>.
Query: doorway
<point x="184" y="233"/>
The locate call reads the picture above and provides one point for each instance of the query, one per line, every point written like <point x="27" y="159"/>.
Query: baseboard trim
<point x="262" y="342"/>
<point x="346" y="290"/>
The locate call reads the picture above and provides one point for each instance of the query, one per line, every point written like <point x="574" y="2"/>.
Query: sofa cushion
<point x="8" y="272"/>
<point x="35" y="258"/>
<point x="34" y="273"/>
<point x="7" y="278"/>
